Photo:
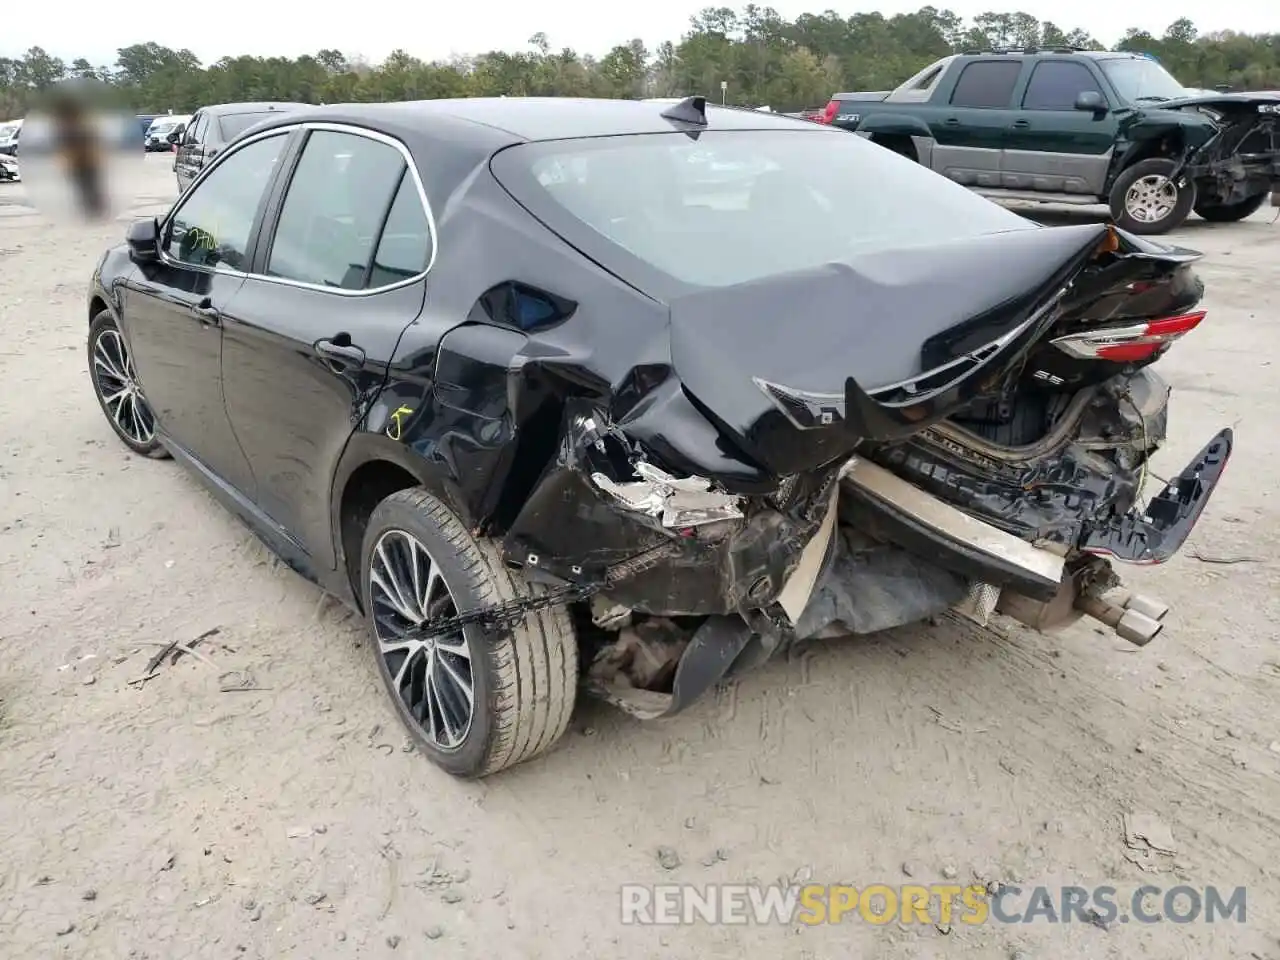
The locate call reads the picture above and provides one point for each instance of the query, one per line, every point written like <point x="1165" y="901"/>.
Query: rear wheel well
<point x="367" y="487"/>
<point x="96" y="306"/>
<point x="899" y="143"/>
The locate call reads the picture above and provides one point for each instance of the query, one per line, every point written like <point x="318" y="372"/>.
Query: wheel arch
<point x="1167" y="142"/>
<point x="371" y="469"/>
<point x="899" y="143"/>
<point x="98" y="303"/>
<point x="893" y="125"/>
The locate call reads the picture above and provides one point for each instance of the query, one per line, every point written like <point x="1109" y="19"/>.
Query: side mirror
<point x="1091" y="100"/>
<point x="144" y="240"/>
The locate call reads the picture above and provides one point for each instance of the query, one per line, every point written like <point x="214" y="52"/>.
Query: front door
<point x="173" y="309"/>
<point x="1052" y="146"/>
<point x="969" y="132"/>
<point x="307" y="350"/>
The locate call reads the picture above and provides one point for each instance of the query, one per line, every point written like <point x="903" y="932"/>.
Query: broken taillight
<point x="1132" y="343"/>
<point x="829" y="114"/>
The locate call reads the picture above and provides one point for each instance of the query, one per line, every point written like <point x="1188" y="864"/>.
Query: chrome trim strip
<point x="980" y="356"/>
<point x="333" y="128"/>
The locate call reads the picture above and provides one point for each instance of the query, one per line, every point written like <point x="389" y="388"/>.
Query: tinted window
<point x="986" y="83"/>
<point x="234" y="124"/>
<point x="405" y="246"/>
<point x="212" y="227"/>
<point x="200" y="129"/>
<point x="736" y="206"/>
<point x="1055" y="85"/>
<point x="335" y="205"/>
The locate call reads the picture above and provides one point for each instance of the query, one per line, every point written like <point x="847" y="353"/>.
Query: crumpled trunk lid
<point x="801" y="367"/>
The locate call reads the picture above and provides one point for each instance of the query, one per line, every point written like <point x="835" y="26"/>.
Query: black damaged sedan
<point x="628" y="396"/>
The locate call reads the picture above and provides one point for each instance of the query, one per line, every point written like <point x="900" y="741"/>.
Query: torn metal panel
<point x="678" y="502"/>
<point x="602" y="502"/>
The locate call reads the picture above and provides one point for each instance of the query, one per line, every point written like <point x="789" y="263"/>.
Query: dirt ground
<point x="175" y="820"/>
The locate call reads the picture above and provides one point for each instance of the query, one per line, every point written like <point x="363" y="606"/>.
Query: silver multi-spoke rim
<point x="432" y="677"/>
<point x="117" y="384"/>
<point x="1151" y="198"/>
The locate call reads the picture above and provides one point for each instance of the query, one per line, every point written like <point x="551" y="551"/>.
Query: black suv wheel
<point x="1230" y="212"/>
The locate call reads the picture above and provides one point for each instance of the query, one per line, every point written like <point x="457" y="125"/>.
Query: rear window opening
<point x="234" y="124"/>
<point x="731" y="207"/>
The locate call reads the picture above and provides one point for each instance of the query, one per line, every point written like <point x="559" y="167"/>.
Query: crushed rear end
<point x="963" y="422"/>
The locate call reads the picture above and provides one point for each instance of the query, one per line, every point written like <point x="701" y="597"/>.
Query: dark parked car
<point x="212" y="128"/>
<point x="1085" y="127"/>
<point x="500" y="374"/>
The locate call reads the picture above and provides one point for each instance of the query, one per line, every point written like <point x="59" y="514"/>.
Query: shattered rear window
<point x="735" y="206"/>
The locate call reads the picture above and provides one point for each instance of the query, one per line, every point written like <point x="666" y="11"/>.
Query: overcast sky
<point x="436" y="30"/>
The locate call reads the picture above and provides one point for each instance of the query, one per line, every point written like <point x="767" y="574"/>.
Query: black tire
<point x="523" y="681"/>
<point x="1178" y="211"/>
<point x="1230" y="212"/>
<point x="138" y="434"/>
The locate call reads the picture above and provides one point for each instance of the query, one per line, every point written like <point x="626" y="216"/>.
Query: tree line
<point x="760" y="56"/>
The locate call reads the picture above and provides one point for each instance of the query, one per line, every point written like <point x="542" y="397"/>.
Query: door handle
<point x="340" y="350"/>
<point x="1021" y="124"/>
<point x="951" y="122"/>
<point x="207" y="312"/>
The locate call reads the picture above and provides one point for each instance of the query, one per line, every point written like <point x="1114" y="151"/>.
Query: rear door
<point x="341" y="276"/>
<point x="970" y="131"/>
<point x="1051" y="145"/>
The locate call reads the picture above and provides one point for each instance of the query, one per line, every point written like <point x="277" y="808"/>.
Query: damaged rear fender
<point x="605" y="502"/>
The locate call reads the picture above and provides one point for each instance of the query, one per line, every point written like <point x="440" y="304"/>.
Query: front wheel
<point x="1147" y="199"/>
<point x="115" y="384"/>
<point x="1230" y="212"/>
<point x="474" y="703"/>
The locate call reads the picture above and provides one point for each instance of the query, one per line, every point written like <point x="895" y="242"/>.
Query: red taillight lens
<point x="1128" y="344"/>
<point x="829" y="114"/>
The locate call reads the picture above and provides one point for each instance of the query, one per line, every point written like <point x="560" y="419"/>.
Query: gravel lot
<point x="175" y="820"/>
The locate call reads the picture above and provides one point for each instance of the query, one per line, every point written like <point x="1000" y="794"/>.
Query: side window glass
<point x="925" y="82"/>
<point x="405" y="246"/>
<point x="1055" y="86"/>
<point x="987" y="83"/>
<point x="198" y="128"/>
<point x="336" y="202"/>
<point x="212" y="227"/>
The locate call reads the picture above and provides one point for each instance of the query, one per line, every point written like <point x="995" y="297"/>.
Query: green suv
<point x="1082" y="127"/>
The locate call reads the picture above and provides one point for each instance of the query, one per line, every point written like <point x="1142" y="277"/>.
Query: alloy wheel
<point x="432" y="677"/>
<point x="1151" y="198"/>
<point x="116" y="381"/>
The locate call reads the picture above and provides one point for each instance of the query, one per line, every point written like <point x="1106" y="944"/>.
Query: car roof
<point x="537" y="118"/>
<point x="1058" y="52"/>
<point x="257" y="106"/>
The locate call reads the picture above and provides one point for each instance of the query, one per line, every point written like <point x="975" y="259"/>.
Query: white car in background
<point x="161" y="130"/>
<point x="9" y="133"/>
<point x="9" y="168"/>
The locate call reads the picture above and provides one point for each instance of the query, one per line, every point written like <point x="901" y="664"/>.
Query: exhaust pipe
<point x="1147" y="606"/>
<point x="1129" y="624"/>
